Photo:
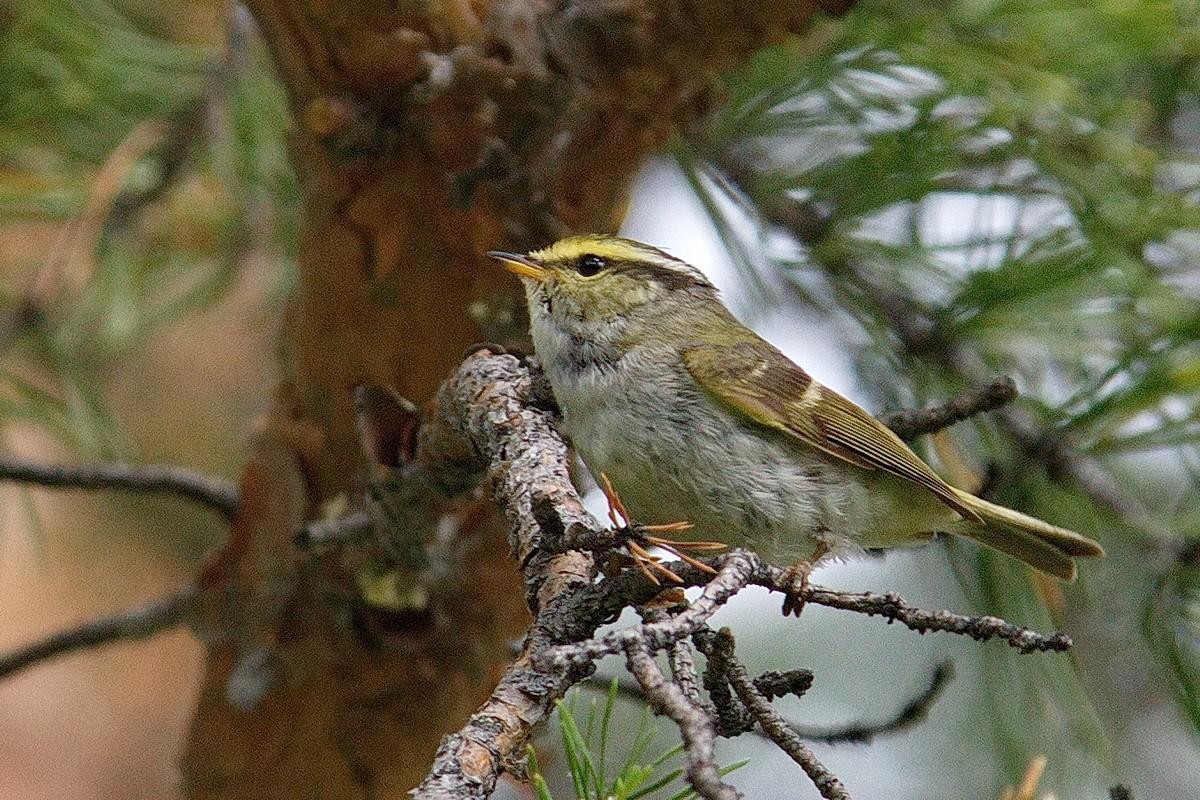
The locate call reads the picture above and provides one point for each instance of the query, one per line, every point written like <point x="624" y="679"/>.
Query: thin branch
<point x="694" y="724"/>
<point x="683" y="666"/>
<point x="136" y="623"/>
<point x="217" y="494"/>
<point x="737" y="570"/>
<point x="895" y="609"/>
<point x="913" y="713"/>
<point x="741" y="568"/>
<point x="772" y="724"/>
<point x="911" y="424"/>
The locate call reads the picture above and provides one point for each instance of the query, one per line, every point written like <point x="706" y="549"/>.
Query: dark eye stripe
<point x="666" y="277"/>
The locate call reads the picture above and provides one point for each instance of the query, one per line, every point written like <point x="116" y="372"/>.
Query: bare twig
<point x="736" y="571"/>
<point x="773" y="725"/>
<point x="135" y="623"/>
<point x="683" y="666"/>
<point x="913" y="713"/>
<point x="894" y="609"/>
<point x="741" y="568"/>
<point x="694" y="724"/>
<point x="798" y="682"/>
<point x="215" y="493"/>
<point x="911" y="424"/>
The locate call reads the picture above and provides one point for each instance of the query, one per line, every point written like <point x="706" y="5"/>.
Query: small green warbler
<point x="691" y="414"/>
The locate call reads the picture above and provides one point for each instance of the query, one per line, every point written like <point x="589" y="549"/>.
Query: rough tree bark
<point x="426" y="131"/>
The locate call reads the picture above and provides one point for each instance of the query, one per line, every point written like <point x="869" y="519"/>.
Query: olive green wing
<point x="758" y="381"/>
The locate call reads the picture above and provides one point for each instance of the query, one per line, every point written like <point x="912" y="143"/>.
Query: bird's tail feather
<point x="1039" y="544"/>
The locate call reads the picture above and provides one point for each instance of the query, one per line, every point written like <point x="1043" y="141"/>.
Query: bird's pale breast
<point x="673" y="454"/>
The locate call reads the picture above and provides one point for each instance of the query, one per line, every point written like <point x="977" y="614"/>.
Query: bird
<point x="682" y="411"/>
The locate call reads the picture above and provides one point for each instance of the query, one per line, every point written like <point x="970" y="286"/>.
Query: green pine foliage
<point x="162" y="162"/>
<point x="967" y="188"/>
<point x="606" y="764"/>
<point x="1005" y="187"/>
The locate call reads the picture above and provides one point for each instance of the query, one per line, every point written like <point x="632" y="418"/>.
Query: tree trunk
<point x="426" y="131"/>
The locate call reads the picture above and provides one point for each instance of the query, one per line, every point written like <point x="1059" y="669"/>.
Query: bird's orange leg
<point x="619" y="515"/>
<point x="797" y="578"/>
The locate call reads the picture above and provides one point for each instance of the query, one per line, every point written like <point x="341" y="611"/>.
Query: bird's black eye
<point x="590" y="265"/>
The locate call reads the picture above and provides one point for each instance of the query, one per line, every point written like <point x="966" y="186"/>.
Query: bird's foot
<point x="640" y="537"/>
<point x="796" y="576"/>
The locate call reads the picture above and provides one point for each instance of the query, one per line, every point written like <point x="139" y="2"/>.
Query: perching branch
<point x="741" y="568"/>
<point x="737" y="570"/>
<point x="219" y="495"/>
<point x="141" y="622"/>
<point x="490" y="419"/>
<point x="892" y="607"/>
<point x="487" y="400"/>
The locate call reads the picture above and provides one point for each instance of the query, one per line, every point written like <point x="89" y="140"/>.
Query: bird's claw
<point x="796" y="577"/>
<point x="640" y="536"/>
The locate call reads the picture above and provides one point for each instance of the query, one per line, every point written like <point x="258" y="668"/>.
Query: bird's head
<point x="596" y="278"/>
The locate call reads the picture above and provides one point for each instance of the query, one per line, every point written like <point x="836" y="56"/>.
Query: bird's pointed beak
<point x="519" y="264"/>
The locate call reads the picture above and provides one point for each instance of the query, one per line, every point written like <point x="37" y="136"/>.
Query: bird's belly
<point x="679" y="457"/>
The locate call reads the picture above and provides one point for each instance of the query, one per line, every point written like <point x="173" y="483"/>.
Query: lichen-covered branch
<point x="774" y="725"/>
<point x="487" y="403"/>
<point x="695" y="725"/>
<point x="892" y="607"/>
<point x="491" y="419"/>
<point x="736" y="572"/>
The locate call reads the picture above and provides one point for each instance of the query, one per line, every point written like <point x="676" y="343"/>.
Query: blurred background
<point x="908" y="200"/>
